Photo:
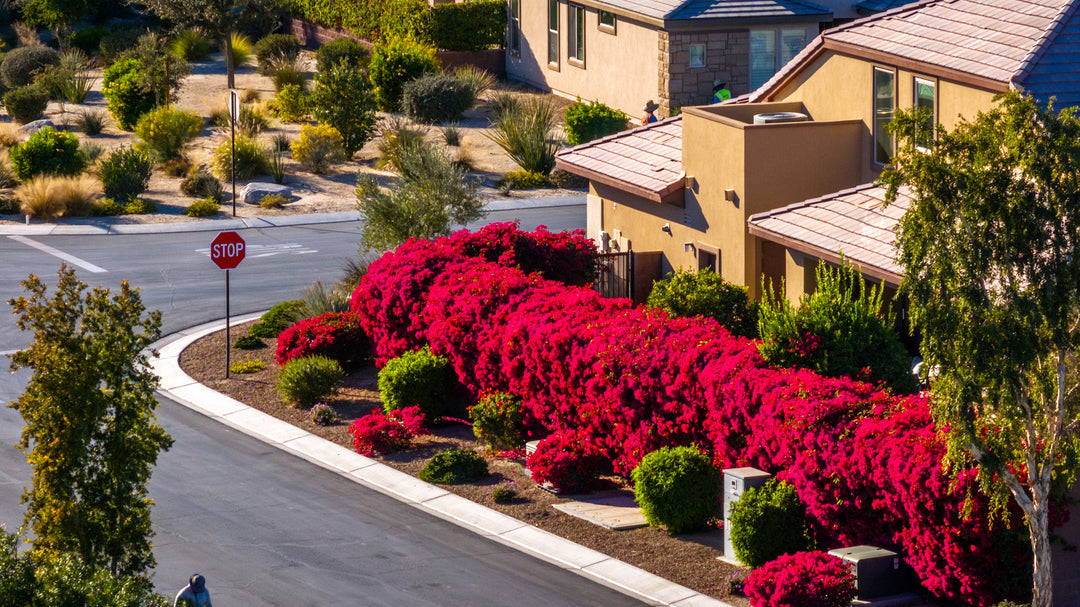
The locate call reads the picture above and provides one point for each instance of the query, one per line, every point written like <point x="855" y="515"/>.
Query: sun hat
<point x="198" y="583"/>
<point x="650" y="106"/>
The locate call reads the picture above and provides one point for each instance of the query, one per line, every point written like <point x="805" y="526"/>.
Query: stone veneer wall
<point x="727" y="58"/>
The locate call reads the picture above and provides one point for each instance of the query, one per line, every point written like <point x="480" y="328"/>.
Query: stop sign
<point x="227" y="250"/>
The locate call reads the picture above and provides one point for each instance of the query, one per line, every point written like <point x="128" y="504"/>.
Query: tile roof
<point x="853" y="223"/>
<point x="740" y="10"/>
<point x="1030" y="44"/>
<point x="879" y="6"/>
<point x="646" y="161"/>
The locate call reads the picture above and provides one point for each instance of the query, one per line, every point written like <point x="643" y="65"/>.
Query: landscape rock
<point x="32" y="127"/>
<point x="253" y="193"/>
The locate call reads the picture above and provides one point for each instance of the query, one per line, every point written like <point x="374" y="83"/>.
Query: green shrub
<point x="436" y="98"/>
<point x="395" y="134"/>
<point x="88" y="40"/>
<point x="454" y="467"/>
<point x="287" y="71"/>
<point x="395" y="63"/>
<point x="125" y="173"/>
<point x="497" y="420"/>
<point x="504" y="492"/>
<point x="275" y="46"/>
<point x="341" y="49"/>
<point x="308" y="380"/>
<point x="525" y="131"/>
<point x="843" y="328"/>
<point x="593" y="120"/>
<point x="248" y="365"/>
<point x="167" y="131"/>
<point x="291" y="103"/>
<point x="417" y="378"/>
<point x="524" y="180"/>
<point x="343" y="99"/>
<point x="677" y="487"/>
<point x="469" y="26"/>
<point x="122" y="85"/>
<point x="77" y="83"/>
<point x="249" y="342"/>
<point x="19" y="66"/>
<point x="273" y="201"/>
<point x="26" y="104"/>
<point x="567" y="180"/>
<point x="205" y="207"/>
<point x="767" y="522"/>
<point x="48" y="152"/>
<point x="252" y="159"/>
<point x="704" y="293"/>
<point x="92" y="122"/>
<point x="318" y="148"/>
<point x="107" y="207"/>
<point x="278" y="318"/>
<point x="119" y="41"/>
<point x="139" y="206"/>
<point x="201" y="184"/>
<point x="191" y="44"/>
<point x="323" y="414"/>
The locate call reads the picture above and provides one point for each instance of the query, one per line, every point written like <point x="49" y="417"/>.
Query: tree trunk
<point x="1043" y="580"/>
<point x="230" y="78"/>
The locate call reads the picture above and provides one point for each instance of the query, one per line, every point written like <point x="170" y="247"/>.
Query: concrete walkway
<point x="634" y="582"/>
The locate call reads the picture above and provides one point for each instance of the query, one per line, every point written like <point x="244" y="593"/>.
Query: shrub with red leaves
<point x="378" y="433"/>
<point x="569" y="461"/>
<point x="803" y="579"/>
<point x="337" y="335"/>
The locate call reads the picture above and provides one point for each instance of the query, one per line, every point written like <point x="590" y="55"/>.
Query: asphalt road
<point x="265" y="527"/>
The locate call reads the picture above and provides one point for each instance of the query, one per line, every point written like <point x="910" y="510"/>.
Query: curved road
<point x="265" y="527"/>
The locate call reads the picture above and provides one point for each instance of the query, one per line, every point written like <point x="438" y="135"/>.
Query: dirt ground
<point x="204" y="92"/>
<point x="690" y="559"/>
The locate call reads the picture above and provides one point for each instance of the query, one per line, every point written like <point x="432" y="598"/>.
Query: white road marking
<point x="86" y="265"/>
<point x="269" y="250"/>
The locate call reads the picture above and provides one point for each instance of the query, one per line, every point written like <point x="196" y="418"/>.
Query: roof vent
<point x="776" y="117"/>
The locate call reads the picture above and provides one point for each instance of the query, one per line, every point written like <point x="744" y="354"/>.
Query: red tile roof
<point x="646" y="161"/>
<point x="851" y="223"/>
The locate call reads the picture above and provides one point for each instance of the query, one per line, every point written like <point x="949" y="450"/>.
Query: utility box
<point x="736" y="482"/>
<point x="877" y="571"/>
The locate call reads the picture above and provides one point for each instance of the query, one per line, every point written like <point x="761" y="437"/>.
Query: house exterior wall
<point x="620" y="69"/>
<point x="727" y="59"/>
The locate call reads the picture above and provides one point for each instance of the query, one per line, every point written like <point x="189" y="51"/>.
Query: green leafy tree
<point x="992" y="270"/>
<point x="704" y="293"/>
<point x="343" y="98"/>
<point x="433" y="196"/>
<point x="58" y="15"/>
<point x="90" y="432"/>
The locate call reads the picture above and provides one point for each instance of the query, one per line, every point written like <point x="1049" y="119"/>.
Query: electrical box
<point x="878" y="572"/>
<point x="736" y="482"/>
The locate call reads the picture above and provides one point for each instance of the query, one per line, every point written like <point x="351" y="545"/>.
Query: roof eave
<point x="872" y="271"/>
<point x="671" y="193"/>
<point x="675" y="23"/>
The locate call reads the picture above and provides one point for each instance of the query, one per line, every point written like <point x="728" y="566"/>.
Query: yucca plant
<point x="242" y="50"/>
<point x="319" y="299"/>
<point x="526" y="134"/>
<point x="192" y="44"/>
<point x="478" y="79"/>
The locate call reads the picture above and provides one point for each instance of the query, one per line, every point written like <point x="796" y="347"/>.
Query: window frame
<point x="704" y="55"/>
<point x="878" y="130"/>
<point x="575" y="35"/>
<point x="604" y="27"/>
<point x="916" y="81"/>
<point x="554" y="37"/>
<point x="513" y="28"/>
<point x="778" y="51"/>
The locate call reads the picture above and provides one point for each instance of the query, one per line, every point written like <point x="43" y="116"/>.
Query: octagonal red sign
<point x="227" y="250"/>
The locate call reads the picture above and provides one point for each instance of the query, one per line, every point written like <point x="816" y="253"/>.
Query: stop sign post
<point x="227" y="250"/>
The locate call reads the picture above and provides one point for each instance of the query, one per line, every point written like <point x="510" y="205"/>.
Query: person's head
<point x="717" y="85"/>
<point x="198" y="582"/>
<point x="651" y="107"/>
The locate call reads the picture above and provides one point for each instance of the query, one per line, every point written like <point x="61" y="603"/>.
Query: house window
<point x="575" y="28"/>
<point x="771" y="50"/>
<point x="925" y="100"/>
<point x="697" y="55"/>
<point x="884" y="108"/>
<point x="553" y="32"/>
<point x="607" y="22"/>
<point x="513" y="31"/>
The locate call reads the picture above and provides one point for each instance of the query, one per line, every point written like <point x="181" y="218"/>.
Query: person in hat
<point x="649" y="116"/>
<point x="720" y="91"/>
<point x="194" y="594"/>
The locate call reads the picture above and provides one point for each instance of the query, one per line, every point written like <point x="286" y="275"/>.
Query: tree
<point x="57" y="15"/>
<point x="434" y="194"/>
<point x="343" y="98"/>
<point x="90" y="431"/>
<point x="992" y="268"/>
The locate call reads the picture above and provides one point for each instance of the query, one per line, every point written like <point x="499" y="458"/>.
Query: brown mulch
<point x="690" y="559"/>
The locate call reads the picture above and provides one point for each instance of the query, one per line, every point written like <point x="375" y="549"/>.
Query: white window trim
<point x="873" y="113"/>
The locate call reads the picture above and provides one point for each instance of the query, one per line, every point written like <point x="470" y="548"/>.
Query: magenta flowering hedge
<point x="378" y="433"/>
<point x="803" y="579"/>
<point x="337" y="335"/>
<point x="604" y="383"/>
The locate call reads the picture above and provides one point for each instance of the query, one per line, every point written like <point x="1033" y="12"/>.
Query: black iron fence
<point x="615" y="274"/>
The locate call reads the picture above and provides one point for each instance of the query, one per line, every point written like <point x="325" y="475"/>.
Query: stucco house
<point x="783" y="177"/>
<point x="626" y="52"/>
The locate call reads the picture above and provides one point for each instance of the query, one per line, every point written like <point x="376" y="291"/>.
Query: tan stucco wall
<point x="621" y="69"/>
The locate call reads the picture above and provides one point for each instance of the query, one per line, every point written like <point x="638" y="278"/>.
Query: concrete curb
<point x="598" y="567"/>
<point x="105" y="227"/>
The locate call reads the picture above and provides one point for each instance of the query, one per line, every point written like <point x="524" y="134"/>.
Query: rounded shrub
<point x="318" y="148"/>
<point x="291" y="103"/>
<point x="88" y="39"/>
<point x="19" y="66"/>
<point x="436" y="98"/>
<point x="592" y="120"/>
<point x="128" y="100"/>
<point x="201" y="184"/>
<point x="497" y="420"/>
<point x="803" y="579"/>
<point x="167" y="131"/>
<point x="344" y="99"/>
<point x="204" y="207"/>
<point x="48" y="152"/>
<point x="125" y="173"/>
<point x="704" y="293"/>
<point x="454" y="467"/>
<point x="252" y="159"/>
<point x="767" y="522"/>
<point x="341" y="49"/>
<point x="569" y="460"/>
<point x="417" y="378"/>
<point x="26" y="103"/>
<point x="395" y="63"/>
<point x="306" y="381"/>
<point x="249" y="342"/>
<point x="276" y="319"/>
<point x="676" y="487"/>
<point x="524" y="180"/>
<point x="336" y="335"/>
<point x="275" y="46"/>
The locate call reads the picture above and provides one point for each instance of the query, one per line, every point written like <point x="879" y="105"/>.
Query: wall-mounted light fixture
<point x="729" y="195"/>
<point x="666" y="228"/>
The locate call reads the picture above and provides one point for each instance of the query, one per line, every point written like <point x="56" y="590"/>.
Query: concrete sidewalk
<point x="634" y="582"/>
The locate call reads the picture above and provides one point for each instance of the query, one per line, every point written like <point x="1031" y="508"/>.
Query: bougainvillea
<point x="803" y="579"/>
<point x="337" y="335"/>
<point x="378" y="433"/>
<point x="607" y="383"/>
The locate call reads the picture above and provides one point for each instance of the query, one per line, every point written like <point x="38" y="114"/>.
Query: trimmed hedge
<point x="455" y="27"/>
<point x="768" y="522"/>
<point x="469" y="26"/>
<point x="417" y="378"/>
<point x="677" y="487"/>
<point x="586" y="121"/>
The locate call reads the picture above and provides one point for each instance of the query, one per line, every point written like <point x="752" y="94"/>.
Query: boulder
<point x="253" y="193"/>
<point x="32" y="127"/>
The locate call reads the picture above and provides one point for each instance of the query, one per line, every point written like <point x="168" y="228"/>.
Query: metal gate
<point x="615" y="274"/>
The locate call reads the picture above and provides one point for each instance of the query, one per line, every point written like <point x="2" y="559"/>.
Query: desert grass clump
<point x="9" y="135"/>
<point x="252" y="159"/>
<point x="252" y="120"/>
<point x="192" y="44"/>
<point x="526" y="133"/>
<point x="91" y="122"/>
<point x="243" y="51"/>
<point x="394" y="134"/>
<point x="452" y="134"/>
<point x="478" y="80"/>
<point x="286" y="71"/>
<point x="48" y="197"/>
